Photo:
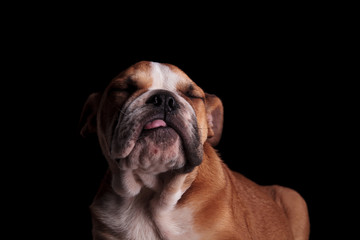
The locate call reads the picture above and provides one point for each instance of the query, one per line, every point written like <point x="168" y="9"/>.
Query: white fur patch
<point x="130" y="219"/>
<point x="139" y="217"/>
<point x="163" y="77"/>
<point x="173" y="222"/>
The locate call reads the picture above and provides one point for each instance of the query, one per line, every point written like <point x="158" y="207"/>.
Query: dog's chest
<point x="141" y="218"/>
<point x="133" y="219"/>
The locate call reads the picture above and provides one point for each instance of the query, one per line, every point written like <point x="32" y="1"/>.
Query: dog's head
<point x="154" y="118"/>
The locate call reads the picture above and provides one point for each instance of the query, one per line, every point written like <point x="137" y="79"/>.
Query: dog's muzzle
<point x="158" y="126"/>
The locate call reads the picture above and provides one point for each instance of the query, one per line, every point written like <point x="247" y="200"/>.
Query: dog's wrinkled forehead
<point x="153" y="75"/>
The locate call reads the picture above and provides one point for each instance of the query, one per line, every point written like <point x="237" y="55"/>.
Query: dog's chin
<point x="157" y="150"/>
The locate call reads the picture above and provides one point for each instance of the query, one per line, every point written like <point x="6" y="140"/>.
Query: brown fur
<point x="237" y="208"/>
<point x="224" y="204"/>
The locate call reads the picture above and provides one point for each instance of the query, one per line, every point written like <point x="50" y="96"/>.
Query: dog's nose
<point x="164" y="100"/>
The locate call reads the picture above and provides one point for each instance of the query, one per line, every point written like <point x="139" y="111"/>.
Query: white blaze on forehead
<point x="163" y="77"/>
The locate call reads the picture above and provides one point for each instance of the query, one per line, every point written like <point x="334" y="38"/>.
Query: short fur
<point x="169" y="182"/>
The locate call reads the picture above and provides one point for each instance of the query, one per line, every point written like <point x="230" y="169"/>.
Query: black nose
<point x="164" y="100"/>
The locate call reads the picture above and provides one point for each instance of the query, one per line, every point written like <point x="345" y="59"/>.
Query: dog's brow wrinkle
<point x="131" y="82"/>
<point x="190" y="87"/>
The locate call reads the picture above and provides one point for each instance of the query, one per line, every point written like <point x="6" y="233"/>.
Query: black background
<point x="275" y="78"/>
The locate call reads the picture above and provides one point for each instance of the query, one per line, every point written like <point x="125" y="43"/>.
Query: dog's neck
<point x="159" y="202"/>
<point x="129" y="183"/>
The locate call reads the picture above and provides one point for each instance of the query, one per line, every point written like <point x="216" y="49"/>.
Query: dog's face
<point x="154" y="118"/>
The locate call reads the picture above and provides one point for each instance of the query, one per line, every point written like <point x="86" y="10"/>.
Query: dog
<point x="157" y="130"/>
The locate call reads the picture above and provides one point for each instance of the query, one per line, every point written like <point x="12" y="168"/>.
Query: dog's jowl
<point x="157" y="130"/>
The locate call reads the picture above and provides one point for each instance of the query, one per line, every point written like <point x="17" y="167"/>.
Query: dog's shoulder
<point x="294" y="207"/>
<point x="258" y="208"/>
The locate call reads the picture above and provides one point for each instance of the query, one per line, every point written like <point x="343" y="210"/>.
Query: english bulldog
<point x="157" y="130"/>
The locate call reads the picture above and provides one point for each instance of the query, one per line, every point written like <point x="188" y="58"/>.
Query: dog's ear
<point x="215" y="117"/>
<point x="88" y="115"/>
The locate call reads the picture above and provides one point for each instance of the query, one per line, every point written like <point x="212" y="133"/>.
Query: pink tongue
<point x="155" y="124"/>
